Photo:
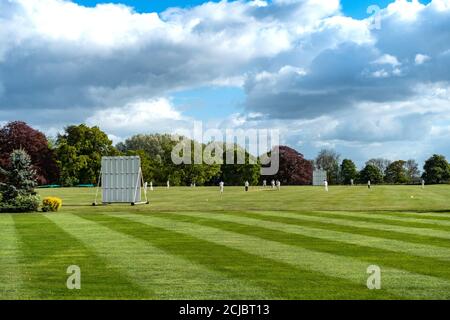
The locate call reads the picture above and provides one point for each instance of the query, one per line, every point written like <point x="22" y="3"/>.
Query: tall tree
<point x="380" y="163"/>
<point x="412" y="170"/>
<point x="436" y="170"/>
<point x="19" y="176"/>
<point x="18" y="135"/>
<point x="370" y="173"/>
<point x="348" y="171"/>
<point x="160" y="167"/>
<point x="328" y="160"/>
<point x="294" y="169"/>
<point x="79" y="150"/>
<point x="396" y="172"/>
<point x="237" y="174"/>
<point x="19" y="180"/>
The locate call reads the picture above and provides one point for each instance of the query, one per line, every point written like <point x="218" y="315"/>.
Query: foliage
<point x="22" y="203"/>
<point x="436" y="170"/>
<point x="380" y="163"/>
<point x="19" y="181"/>
<point x="370" y="173"/>
<point x="294" y="168"/>
<point x="51" y="204"/>
<point x="19" y="178"/>
<point x="328" y="160"/>
<point x="348" y="171"/>
<point x="155" y="151"/>
<point x="412" y="170"/>
<point x="396" y="172"/>
<point x="237" y="174"/>
<point x="18" y="135"/>
<point x="79" y="151"/>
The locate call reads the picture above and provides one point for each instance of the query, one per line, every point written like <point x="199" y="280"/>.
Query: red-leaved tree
<point x="294" y="168"/>
<point x="18" y="135"/>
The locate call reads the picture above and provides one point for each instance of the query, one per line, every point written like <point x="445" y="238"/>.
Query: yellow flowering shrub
<point x="51" y="204"/>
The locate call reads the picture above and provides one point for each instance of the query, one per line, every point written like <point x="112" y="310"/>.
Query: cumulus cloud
<point x="324" y="78"/>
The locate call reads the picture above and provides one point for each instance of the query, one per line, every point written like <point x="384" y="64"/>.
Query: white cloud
<point x="323" y="78"/>
<point x="421" y="59"/>
<point x="157" y="115"/>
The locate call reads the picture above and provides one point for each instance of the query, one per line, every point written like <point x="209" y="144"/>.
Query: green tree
<point x="328" y="160"/>
<point x="79" y="151"/>
<point x="159" y="167"/>
<point x="380" y="163"/>
<point x="372" y="173"/>
<point x="412" y="171"/>
<point x="348" y="171"/>
<point x="237" y="173"/>
<point x="436" y="170"/>
<point x="396" y="172"/>
<point x="19" y="180"/>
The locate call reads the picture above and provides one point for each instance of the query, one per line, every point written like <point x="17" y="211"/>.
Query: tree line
<point x="74" y="158"/>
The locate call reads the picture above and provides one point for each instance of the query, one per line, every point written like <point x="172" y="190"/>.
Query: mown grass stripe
<point x="47" y="252"/>
<point x="282" y="280"/>
<point x="297" y="220"/>
<point x="428" y="251"/>
<point x="389" y="218"/>
<point x="437" y="215"/>
<point x="164" y="275"/>
<point x="396" y="281"/>
<point x="373" y="218"/>
<point x="426" y="266"/>
<point x="360" y="224"/>
<point x="11" y="282"/>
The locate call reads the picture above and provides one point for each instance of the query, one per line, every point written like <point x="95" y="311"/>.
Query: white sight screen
<point x="318" y="177"/>
<point x="120" y="175"/>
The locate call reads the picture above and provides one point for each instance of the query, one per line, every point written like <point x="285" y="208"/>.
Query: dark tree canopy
<point x="79" y="150"/>
<point x="348" y="171"/>
<point x="396" y="172"/>
<point x="18" y="183"/>
<point x="371" y="173"/>
<point x="18" y="135"/>
<point x="294" y="168"/>
<point x="436" y="170"/>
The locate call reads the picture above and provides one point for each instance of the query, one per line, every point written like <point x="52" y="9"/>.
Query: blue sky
<point x="317" y="70"/>
<point x="354" y="8"/>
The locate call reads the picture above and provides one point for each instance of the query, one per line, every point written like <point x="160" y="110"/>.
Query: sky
<point x="326" y="73"/>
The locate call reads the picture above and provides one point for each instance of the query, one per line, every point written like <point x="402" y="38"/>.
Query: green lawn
<point x="193" y="243"/>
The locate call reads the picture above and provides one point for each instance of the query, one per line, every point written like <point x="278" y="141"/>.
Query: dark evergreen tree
<point x="18" y="183"/>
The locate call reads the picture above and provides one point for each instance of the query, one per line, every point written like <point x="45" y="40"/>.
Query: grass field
<point x="297" y="243"/>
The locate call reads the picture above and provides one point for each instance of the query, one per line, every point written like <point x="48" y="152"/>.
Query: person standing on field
<point x="273" y="184"/>
<point x="278" y="185"/>
<point x="264" y="183"/>
<point x="368" y="184"/>
<point x="168" y="184"/>
<point x="246" y="186"/>
<point x="221" y="184"/>
<point x="325" y="183"/>
<point x="423" y="184"/>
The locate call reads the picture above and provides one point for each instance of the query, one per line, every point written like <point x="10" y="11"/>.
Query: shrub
<point x="51" y="204"/>
<point x="22" y="203"/>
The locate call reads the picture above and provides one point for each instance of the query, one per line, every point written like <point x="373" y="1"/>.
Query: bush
<point x="22" y="203"/>
<point x="51" y="204"/>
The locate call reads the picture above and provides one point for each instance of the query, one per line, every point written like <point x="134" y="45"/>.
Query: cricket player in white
<point x="368" y="184"/>
<point x="278" y="185"/>
<point x="221" y="184"/>
<point x="273" y="184"/>
<point x="325" y="183"/>
<point x="168" y="184"/>
<point x="246" y="186"/>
